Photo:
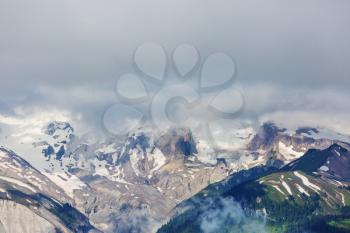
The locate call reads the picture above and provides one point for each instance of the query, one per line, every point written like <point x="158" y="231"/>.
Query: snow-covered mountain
<point x="31" y="202"/>
<point x="137" y="174"/>
<point x="120" y="181"/>
<point x="282" y="146"/>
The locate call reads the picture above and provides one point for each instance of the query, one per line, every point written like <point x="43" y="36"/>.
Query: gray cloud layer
<point x="69" y="53"/>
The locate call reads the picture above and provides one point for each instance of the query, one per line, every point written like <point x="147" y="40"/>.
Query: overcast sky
<point x="292" y="56"/>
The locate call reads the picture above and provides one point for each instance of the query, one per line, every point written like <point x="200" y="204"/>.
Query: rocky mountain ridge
<point x="31" y="202"/>
<point x="118" y="182"/>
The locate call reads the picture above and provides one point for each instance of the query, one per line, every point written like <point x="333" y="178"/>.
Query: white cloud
<point x="225" y="212"/>
<point x="337" y="122"/>
<point x="289" y="53"/>
<point x="28" y="122"/>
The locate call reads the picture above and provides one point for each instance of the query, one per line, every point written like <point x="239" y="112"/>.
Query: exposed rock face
<point x="283" y="146"/>
<point x="60" y="134"/>
<point x="31" y="202"/>
<point x="28" y="179"/>
<point x="266" y="137"/>
<point x="177" y="142"/>
<point x="15" y="218"/>
<point x="20" y="210"/>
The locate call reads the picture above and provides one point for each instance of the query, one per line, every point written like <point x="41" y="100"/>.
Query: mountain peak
<point x="333" y="162"/>
<point x="307" y="130"/>
<point x="58" y="135"/>
<point x="337" y="149"/>
<point x="177" y="141"/>
<point x="265" y="136"/>
<point x="54" y="126"/>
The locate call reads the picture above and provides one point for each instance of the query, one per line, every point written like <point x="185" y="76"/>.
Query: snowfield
<point x="288" y="152"/>
<point x="67" y="183"/>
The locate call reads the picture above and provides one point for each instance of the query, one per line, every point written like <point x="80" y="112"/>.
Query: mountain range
<point x="147" y="181"/>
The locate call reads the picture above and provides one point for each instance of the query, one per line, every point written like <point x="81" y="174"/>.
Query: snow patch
<point x="278" y="189"/>
<point x="67" y="183"/>
<point x="337" y="152"/>
<point x="158" y="159"/>
<point x="302" y="190"/>
<point x="324" y="168"/>
<point x="286" y="186"/>
<point x="307" y="183"/>
<point x="106" y="149"/>
<point x="288" y="152"/>
<point x="342" y="198"/>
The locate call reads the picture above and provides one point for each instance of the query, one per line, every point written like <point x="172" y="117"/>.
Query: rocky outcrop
<point x="281" y="146"/>
<point x="15" y="218"/>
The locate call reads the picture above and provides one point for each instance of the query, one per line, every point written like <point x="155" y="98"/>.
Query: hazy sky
<point x="292" y="56"/>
